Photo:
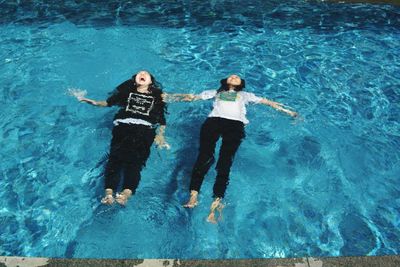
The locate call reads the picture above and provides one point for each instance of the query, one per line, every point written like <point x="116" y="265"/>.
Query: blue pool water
<point x="325" y="186"/>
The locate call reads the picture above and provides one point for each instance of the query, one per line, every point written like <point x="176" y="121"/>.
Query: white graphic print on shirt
<point x="141" y="104"/>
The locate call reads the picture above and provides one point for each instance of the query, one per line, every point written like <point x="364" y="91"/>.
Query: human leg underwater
<point x="132" y="169"/>
<point x="209" y="135"/>
<point x="128" y="157"/>
<point x="114" y="164"/>
<point x="232" y="136"/>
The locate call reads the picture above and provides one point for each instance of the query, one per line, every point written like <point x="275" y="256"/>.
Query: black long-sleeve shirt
<point x="149" y="107"/>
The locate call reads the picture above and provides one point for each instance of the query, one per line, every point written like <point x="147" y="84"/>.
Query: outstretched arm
<point x="207" y="94"/>
<point x="278" y="106"/>
<point x="180" y="97"/>
<point x="92" y="102"/>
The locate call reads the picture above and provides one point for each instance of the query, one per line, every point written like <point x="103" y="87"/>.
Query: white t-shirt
<point x="230" y="104"/>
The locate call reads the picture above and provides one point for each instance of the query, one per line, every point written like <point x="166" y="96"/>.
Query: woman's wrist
<point x="161" y="129"/>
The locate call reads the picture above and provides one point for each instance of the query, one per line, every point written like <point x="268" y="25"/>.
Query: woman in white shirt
<point x="226" y="120"/>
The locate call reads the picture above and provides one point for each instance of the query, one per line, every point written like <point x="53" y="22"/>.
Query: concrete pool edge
<point x="370" y="261"/>
<point x="377" y="2"/>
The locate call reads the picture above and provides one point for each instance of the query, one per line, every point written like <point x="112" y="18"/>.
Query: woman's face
<point x="234" y="80"/>
<point x="143" y="78"/>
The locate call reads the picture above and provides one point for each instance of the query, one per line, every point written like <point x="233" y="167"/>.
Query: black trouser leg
<point x="114" y="165"/>
<point x="130" y="149"/>
<point x="231" y="138"/>
<point x="141" y="151"/>
<point x="112" y="174"/>
<point x="209" y="135"/>
<point x="131" y="176"/>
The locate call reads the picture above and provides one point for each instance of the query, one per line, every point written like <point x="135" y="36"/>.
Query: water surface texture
<point x="325" y="186"/>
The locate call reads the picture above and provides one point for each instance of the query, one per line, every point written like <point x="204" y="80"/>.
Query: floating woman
<point x="226" y="120"/>
<point x="142" y="110"/>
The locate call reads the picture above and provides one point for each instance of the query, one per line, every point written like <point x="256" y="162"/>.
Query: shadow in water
<point x="186" y="132"/>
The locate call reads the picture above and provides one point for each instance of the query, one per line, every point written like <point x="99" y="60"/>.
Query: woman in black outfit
<point x="142" y="110"/>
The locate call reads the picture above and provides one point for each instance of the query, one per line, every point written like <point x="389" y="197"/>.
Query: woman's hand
<point x="293" y="114"/>
<point x="160" y="139"/>
<point x="188" y="97"/>
<point x="160" y="142"/>
<point x="289" y="112"/>
<point x="180" y="97"/>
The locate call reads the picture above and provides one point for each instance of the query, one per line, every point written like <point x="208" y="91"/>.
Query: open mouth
<point x="142" y="79"/>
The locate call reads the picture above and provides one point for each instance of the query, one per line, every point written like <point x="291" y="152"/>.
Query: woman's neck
<point x="143" y="88"/>
<point x="231" y="88"/>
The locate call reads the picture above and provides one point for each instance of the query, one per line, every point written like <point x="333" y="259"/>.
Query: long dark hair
<point x="224" y="86"/>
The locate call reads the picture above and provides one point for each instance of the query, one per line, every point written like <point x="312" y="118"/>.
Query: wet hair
<point x="224" y="85"/>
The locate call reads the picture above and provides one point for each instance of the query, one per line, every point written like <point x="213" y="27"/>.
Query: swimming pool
<point x="325" y="186"/>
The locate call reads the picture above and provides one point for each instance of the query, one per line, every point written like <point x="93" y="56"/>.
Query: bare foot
<point x="215" y="206"/>
<point x="211" y="218"/>
<point x="193" y="200"/>
<point x="122" y="198"/>
<point x="108" y="199"/>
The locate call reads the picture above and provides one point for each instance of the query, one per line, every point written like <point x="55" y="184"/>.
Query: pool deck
<point x="391" y="2"/>
<point x="376" y="261"/>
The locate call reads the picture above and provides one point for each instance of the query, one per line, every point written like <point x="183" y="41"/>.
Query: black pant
<point x="232" y="133"/>
<point x="129" y="151"/>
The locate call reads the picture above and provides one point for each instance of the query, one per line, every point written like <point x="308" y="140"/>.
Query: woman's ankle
<point x="215" y="203"/>
<point x="127" y="192"/>
<point x="108" y="191"/>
